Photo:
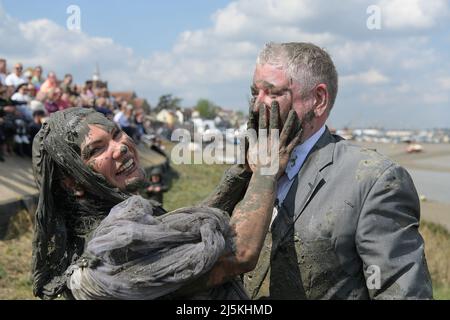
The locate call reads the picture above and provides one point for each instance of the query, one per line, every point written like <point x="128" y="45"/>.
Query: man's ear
<point x="321" y="98"/>
<point x="69" y="184"/>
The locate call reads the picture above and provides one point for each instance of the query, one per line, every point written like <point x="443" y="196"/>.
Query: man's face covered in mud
<point x="110" y="152"/>
<point x="271" y="83"/>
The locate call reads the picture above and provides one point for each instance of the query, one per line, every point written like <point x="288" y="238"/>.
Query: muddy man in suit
<point x="346" y="221"/>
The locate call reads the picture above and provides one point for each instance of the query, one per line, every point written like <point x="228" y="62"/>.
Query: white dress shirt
<point x="295" y="163"/>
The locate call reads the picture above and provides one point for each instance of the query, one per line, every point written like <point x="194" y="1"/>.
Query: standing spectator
<point x="3" y="72"/>
<point x="50" y="83"/>
<point x="156" y="186"/>
<point x="15" y="78"/>
<point x="37" y="77"/>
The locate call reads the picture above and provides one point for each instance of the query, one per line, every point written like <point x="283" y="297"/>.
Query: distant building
<point x="96" y="79"/>
<point x="195" y="114"/>
<point x="168" y="117"/>
<point x="143" y="104"/>
<point x="131" y="98"/>
<point x="128" y="96"/>
<point x="180" y="116"/>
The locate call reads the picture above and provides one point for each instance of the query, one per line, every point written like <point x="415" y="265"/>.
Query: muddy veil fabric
<point x="135" y="255"/>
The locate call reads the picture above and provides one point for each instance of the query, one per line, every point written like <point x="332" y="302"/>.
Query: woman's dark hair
<point x="62" y="222"/>
<point x="20" y="86"/>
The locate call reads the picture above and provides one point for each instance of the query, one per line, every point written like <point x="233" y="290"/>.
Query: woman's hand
<point x="269" y="154"/>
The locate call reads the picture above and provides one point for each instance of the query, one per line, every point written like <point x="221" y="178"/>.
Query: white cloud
<point x="403" y="88"/>
<point x="437" y="98"/>
<point x="370" y="77"/>
<point x="444" y="82"/>
<point x="417" y="14"/>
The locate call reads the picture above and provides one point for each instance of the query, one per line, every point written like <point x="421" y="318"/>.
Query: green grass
<point x="437" y="249"/>
<point x="441" y="293"/>
<point x="15" y="263"/>
<point x="193" y="185"/>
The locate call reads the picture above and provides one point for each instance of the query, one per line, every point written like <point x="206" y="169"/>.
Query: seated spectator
<point x="13" y="129"/>
<point x="2" y="140"/>
<point x="3" y="72"/>
<point x="76" y="101"/>
<point x="35" y="126"/>
<point x="22" y="145"/>
<point x="21" y="96"/>
<point x="31" y="91"/>
<point x="2" y="134"/>
<point x="3" y="91"/>
<point x="78" y="90"/>
<point x="37" y="77"/>
<point x="28" y="76"/>
<point x="88" y="102"/>
<point x="122" y="118"/>
<point x="139" y="123"/>
<point x="101" y="105"/>
<point x="66" y="85"/>
<point x="87" y="91"/>
<point x="36" y="105"/>
<point x="8" y="112"/>
<point x="50" y="83"/>
<point x="51" y="103"/>
<point x="15" y="78"/>
<point x="64" y="102"/>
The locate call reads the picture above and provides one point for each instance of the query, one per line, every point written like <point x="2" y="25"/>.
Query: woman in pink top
<point x="49" y="84"/>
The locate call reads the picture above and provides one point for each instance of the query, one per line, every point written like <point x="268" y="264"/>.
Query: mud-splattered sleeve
<point x="388" y="239"/>
<point x="230" y="190"/>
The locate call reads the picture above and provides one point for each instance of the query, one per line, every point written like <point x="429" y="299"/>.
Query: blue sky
<point x="397" y="76"/>
<point x="125" y="21"/>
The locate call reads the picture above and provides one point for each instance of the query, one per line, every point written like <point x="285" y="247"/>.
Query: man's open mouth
<point x="127" y="167"/>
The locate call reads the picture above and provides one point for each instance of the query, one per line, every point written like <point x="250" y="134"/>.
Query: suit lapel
<point x="310" y="177"/>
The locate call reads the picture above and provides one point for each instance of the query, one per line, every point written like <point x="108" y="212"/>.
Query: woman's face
<point x="113" y="154"/>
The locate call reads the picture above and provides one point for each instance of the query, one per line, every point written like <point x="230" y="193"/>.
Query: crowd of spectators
<point x="27" y="98"/>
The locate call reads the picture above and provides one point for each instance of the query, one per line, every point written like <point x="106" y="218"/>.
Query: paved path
<point x="16" y="179"/>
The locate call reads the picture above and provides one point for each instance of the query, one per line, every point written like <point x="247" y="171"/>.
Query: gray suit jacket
<point x="348" y="229"/>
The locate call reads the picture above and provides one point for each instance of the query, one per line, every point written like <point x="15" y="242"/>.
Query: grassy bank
<point x="194" y="182"/>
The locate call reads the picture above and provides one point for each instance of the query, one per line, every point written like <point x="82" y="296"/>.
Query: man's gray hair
<point x="305" y="63"/>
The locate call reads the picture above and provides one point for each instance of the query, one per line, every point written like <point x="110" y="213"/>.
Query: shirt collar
<point x="300" y="152"/>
